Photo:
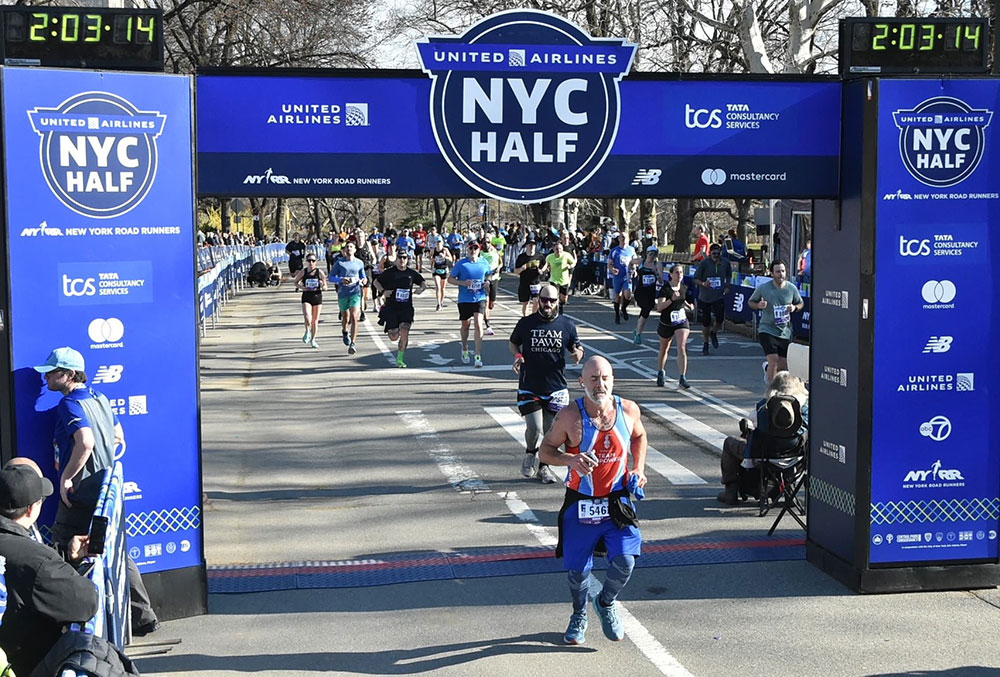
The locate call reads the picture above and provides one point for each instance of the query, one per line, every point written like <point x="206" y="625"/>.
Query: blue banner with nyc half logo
<point x="524" y="107"/>
<point x="100" y="235"/>
<point x="935" y="458"/>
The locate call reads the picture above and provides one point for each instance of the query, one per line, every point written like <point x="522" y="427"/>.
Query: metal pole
<point x="996" y="38"/>
<point x="770" y="235"/>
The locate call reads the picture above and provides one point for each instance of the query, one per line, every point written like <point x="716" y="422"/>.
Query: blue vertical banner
<point x="100" y="235"/>
<point x="935" y="459"/>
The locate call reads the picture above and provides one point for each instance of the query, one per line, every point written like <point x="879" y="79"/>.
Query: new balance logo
<point x="939" y="344"/>
<point x="109" y="374"/>
<point x="647" y="177"/>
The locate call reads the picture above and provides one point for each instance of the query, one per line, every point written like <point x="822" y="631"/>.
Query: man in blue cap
<point x="86" y="436"/>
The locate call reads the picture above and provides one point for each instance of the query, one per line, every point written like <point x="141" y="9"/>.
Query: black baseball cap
<point x="20" y="486"/>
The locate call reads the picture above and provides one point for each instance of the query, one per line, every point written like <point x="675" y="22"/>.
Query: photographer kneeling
<point x="740" y="474"/>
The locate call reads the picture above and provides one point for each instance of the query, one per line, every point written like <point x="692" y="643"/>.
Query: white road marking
<point x="687" y="424"/>
<point x="377" y="340"/>
<point x="465" y="480"/>
<point x="649" y="646"/>
<point x="674" y="472"/>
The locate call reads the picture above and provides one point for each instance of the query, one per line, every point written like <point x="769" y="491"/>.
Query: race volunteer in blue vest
<point x="538" y="344"/>
<point x="713" y="275"/>
<point x="348" y="274"/>
<point x="621" y="261"/>
<point x="599" y="432"/>
<point x="397" y="285"/>
<point x="86" y="437"/>
<point x="470" y="275"/>
<point x="777" y="299"/>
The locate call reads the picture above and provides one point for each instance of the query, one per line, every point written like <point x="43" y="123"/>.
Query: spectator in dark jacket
<point x="44" y="593"/>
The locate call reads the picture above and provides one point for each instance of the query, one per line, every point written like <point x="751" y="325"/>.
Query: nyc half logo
<point x="942" y="140"/>
<point x="98" y="152"/>
<point x="525" y="106"/>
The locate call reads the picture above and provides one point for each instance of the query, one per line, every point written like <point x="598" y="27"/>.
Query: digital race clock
<point x="913" y="46"/>
<point x="81" y="37"/>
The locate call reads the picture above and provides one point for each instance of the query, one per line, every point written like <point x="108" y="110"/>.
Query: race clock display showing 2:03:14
<point x="913" y="46"/>
<point x="82" y="37"/>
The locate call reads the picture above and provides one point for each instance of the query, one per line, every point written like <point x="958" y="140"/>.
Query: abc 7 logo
<point x="106" y="331"/>
<point x="938" y="428"/>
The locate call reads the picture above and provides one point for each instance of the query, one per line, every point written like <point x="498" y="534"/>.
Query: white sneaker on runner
<point x="528" y="464"/>
<point x="479" y="361"/>
<point x="546" y="475"/>
<point x="465" y="357"/>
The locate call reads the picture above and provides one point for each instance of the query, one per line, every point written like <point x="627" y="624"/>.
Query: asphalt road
<point x="318" y="463"/>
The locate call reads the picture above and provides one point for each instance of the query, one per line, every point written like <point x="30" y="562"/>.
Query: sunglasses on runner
<point x="547" y="299"/>
<point x="310" y="260"/>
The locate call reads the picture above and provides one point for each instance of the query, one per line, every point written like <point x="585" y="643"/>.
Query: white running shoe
<point x="351" y="349"/>
<point x="465" y="357"/>
<point x="489" y="331"/>
<point x="479" y="361"/>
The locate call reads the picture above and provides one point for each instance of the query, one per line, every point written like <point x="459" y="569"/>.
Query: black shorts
<point x="313" y="298"/>
<point x="524" y="292"/>
<point x="646" y="303"/>
<point x="666" y="331"/>
<point x="456" y="253"/>
<point x="467" y="310"/>
<point x="441" y="272"/>
<point x="563" y="289"/>
<point x="396" y="315"/>
<point x="418" y="251"/>
<point x="491" y="292"/>
<point x="707" y="310"/>
<point x="773" y="345"/>
<point x="294" y="265"/>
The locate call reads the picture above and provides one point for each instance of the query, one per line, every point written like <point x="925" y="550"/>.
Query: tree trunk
<point x="647" y="217"/>
<point x="685" y="224"/>
<point x="381" y="214"/>
<point x="280" y="224"/>
<point x="541" y="212"/>
<point x="227" y="217"/>
<point x="742" y="218"/>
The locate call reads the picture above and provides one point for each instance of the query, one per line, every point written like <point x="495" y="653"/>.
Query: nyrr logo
<point x="98" y="152"/>
<point x="942" y="140"/>
<point x="525" y="106"/>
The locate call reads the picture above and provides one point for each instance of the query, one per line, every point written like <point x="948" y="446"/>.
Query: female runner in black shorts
<point x="673" y="305"/>
<point x="648" y="279"/>
<point x="312" y="282"/>
<point x="441" y="262"/>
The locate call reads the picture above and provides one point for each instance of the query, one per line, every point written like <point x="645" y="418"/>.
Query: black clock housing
<point x="913" y="46"/>
<point x="82" y="37"/>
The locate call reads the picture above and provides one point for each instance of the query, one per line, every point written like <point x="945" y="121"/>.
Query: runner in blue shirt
<point x="348" y="274"/>
<point x="621" y="260"/>
<point x="455" y="242"/>
<point x="470" y="275"/>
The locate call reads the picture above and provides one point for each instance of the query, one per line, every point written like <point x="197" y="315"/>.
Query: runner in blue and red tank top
<point x="599" y="433"/>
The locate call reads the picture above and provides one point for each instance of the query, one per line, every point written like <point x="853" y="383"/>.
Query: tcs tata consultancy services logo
<point x="98" y="152"/>
<point x="525" y="106"/>
<point x="942" y="140"/>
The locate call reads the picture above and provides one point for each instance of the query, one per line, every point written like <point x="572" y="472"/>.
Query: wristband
<point x="519" y="356"/>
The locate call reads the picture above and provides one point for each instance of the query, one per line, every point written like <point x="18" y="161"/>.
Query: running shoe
<point x="465" y="357"/>
<point x="661" y="377"/>
<point x="438" y="307"/>
<point x="489" y="331"/>
<point x="636" y="337"/>
<point x="399" y="362"/>
<point x="715" y="339"/>
<point x="704" y="349"/>
<point x="618" y="318"/>
<point x="611" y="622"/>
<point x="576" y="633"/>
<point x="306" y="337"/>
<point x="479" y="361"/>
<point x="624" y="313"/>
<point x="314" y="344"/>
<point x="351" y="348"/>
<point x="528" y="465"/>
<point x="684" y="382"/>
<point x="347" y="339"/>
<point x="362" y="317"/>
<point x="546" y="475"/>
